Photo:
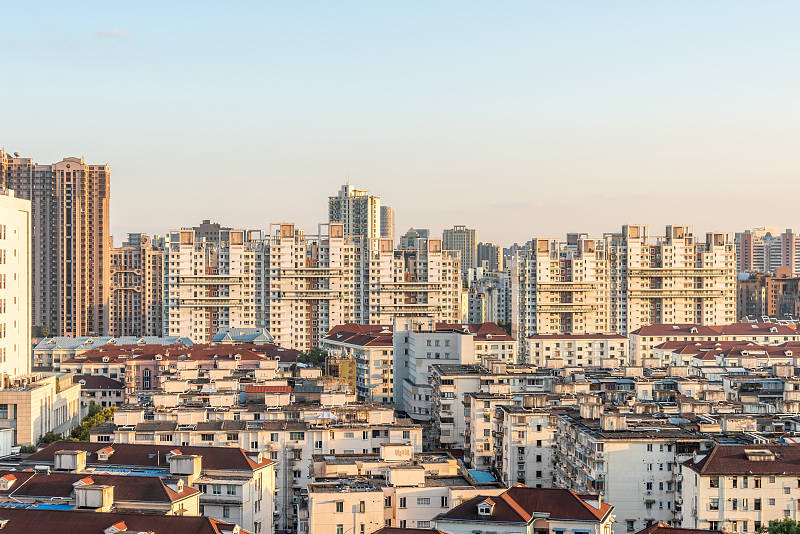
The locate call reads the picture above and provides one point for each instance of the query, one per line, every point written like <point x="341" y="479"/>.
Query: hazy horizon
<point x="518" y="119"/>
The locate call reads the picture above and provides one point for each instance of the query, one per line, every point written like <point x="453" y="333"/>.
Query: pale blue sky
<point x="518" y="118"/>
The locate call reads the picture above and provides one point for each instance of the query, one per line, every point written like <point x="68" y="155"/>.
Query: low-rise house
<point x="740" y="488"/>
<point x="235" y="486"/>
<point x="45" y="520"/>
<point x="555" y="351"/>
<point x="522" y="510"/>
<point x="100" y="390"/>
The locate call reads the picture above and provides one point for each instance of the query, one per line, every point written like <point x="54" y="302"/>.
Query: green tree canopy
<point x="782" y="526"/>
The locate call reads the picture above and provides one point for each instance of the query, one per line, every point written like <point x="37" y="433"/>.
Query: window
<point x="297" y="436"/>
<point x="362" y="506"/>
<point x="756" y="482"/>
<point x="444" y="501"/>
<point x="207" y="437"/>
<point x="231" y="489"/>
<point x="649" y="447"/>
<point x="423" y="524"/>
<point x="387" y="502"/>
<point x="423" y="501"/>
<point x="787" y="490"/>
<point x="216" y="489"/>
<point x="339" y="506"/>
<point x="339" y="529"/>
<point x="713" y="482"/>
<point x="226" y="511"/>
<point x="630" y="525"/>
<point x="713" y="504"/>
<point x="402" y="502"/>
<point x="756" y="504"/>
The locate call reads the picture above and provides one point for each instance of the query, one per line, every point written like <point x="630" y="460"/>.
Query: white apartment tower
<point x="421" y="282"/>
<point x="357" y="210"/>
<point x="622" y="282"/>
<point x="306" y="284"/>
<point x="15" y="298"/>
<point x="671" y="278"/>
<point x="560" y="287"/>
<point x="208" y="282"/>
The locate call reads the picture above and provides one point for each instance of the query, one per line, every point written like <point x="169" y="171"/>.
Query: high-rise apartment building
<point x="387" y="222"/>
<point x="490" y="255"/>
<point x="465" y="240"/>
<point x="15" y="302"/>
<point x="560" y="287"/>
<point x="208" y="282"/>
<point x="622" y="282"/>
<point x="305" y="285"/>
<point x="421" y="282"/>
<point x="137" y="288"/>
<point x="70" y="242"/>
<point x="764" y="250"/>
<point x="670" y="279"/>
<point x="358" y="212"/>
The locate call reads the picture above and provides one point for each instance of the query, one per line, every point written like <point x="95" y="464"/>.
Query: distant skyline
<point x="517" y="118"/>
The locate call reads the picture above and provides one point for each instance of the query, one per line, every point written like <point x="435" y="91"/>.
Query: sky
<point x="520" y="119"/>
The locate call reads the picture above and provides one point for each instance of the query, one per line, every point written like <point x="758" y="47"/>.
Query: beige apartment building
<point x="305" y="285"/>
<point x="560" y="287"/>
<point x="136" y="279"/>
<point x="464" y="240"/>
<point x="670" y="279"/>
<point x="36" y="404"/>
<point x="740" y="488"/>
<point x="15" y="297"/>
<point x="555" y="351"/>
<point x="70" y="242"/>
<point x="208" y="282"/>
<point x="623" y="282"/>
<point x="424" y="281"/>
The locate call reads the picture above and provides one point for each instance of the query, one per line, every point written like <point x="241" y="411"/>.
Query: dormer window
<point x="485" y="508"/>
<point x="7" y="481"/>
<point x="105" y="359"/>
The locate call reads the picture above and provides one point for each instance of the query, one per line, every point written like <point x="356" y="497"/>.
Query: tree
<point x="782" y="526"/>
<point x="314" y="357"/>
<point x="49" y="437"/>
<point x="96" y="416"/>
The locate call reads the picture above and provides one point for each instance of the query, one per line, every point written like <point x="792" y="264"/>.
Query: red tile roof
<point x="518" y="503"/>
<point x="663" y="528"/>
<point x="126" y="488"/>
<point x="97" y="382"/>
<point x="732" y="459"/>
<point x="683" y="329"/>
<point x="353" y="328"/>
<point x="482" y="331"/>
<point x="151" y="455"/>
<point x="33" y="521"/>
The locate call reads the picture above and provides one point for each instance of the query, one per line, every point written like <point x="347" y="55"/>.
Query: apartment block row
<point x="622" y="282"/>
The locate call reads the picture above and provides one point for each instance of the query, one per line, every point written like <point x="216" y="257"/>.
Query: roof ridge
<point x="516" y="506"/>
<point x="594" y="511"/>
